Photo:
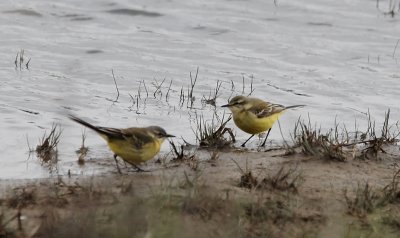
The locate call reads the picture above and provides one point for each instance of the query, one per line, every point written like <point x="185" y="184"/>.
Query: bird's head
<point x="238" y="103"/>
<point x="158" y="133"/>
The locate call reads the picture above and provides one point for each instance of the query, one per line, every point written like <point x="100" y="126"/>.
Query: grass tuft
<point x="365" y="201"/>
<point x="333" y="144"/>
<point x="315" y="143"/>
<point x="46" y="151"/>
<point x="21" y="198"/>
<point x="247" y="180"/>
<point x="275" y="210"/>
<point x="188" y="158"/>
<point x="284" y="180"/>
<point x="211" y="100"/>
<point x="391" y="192"/>
<point x="214" y="156"/>
<point x="374" y="144"/>
<point x="213" y="135"/>
<point x="393" y="221"/>
<point x="83" y="150"/>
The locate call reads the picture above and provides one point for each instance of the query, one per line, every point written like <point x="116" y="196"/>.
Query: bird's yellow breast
<point x="250" y="123"/>
<point x="129" y="153"/>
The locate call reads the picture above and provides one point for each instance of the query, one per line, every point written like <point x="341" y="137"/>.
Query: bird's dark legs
<point x="263" y="144"/>
<point x="265" y="140"/>
<point x="244" y="144"/>
<point x="138" y="169"/>
<point x="116" y="162"/>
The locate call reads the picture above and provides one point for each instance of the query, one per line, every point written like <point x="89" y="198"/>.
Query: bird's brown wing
<point x="265" y="109"/>
<point x="136" y="137"/>
<point x="113" y="133"/>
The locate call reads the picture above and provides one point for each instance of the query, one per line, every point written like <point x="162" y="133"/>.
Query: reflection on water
<point x="319" y="24"/>
<point x="337" y="59"/>
<point x="134" y="12"/>
<point x="25" y="12"/>
<point x="94" y="51"/>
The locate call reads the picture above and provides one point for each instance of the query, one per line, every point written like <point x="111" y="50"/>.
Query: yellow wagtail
<point x="134" y="145"/>
<point x="253" y="115"/>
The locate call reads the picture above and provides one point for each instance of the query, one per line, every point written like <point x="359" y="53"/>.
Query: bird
<point x="253" y="115"/>
<point x="134" y="145"/>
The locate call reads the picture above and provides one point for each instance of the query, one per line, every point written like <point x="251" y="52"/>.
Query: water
<point x="337" y="57"/>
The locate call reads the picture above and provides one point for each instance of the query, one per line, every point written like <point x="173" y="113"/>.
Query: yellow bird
<point x="134" y="145"/>
<point x="253" y="115"/>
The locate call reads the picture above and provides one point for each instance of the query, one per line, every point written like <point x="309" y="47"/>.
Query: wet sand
<point x="316" y="201"/>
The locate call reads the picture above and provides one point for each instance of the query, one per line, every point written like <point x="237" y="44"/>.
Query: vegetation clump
<point x="340" y="145"/>
<point x="47" y="151"/>
<point x="213" y="135"/>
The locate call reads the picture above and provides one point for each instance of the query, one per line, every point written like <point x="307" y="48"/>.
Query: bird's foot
<point x="138" y="169"/>
<point x="116" y="163"/>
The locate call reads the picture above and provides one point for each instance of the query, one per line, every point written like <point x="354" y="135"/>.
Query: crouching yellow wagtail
<point x="253" y="115"/>
<point x="134" y="145"/>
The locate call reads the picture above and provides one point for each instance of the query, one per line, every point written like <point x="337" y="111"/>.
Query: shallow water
<point x="337" y="57"/>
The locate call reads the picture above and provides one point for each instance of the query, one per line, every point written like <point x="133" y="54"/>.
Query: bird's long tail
<point x="106" y="132"/>
<point x="294" y="106"/>
<point x="87" y="124"/>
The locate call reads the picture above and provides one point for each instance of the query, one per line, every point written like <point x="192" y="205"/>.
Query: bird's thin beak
<point x="168" y="135"/>
<point x="226" y="105"/>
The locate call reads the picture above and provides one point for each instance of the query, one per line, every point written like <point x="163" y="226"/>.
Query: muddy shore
<point x="236" y="194"/>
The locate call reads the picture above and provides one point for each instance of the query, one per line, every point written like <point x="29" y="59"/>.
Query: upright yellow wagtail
<point x="134" y="145"/>
<point x="253" y="115"/>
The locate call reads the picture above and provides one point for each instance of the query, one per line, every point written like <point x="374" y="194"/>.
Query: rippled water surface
<point x="337" y="57"/>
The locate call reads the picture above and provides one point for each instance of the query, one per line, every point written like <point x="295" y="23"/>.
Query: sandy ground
<point x="318" y="195"/>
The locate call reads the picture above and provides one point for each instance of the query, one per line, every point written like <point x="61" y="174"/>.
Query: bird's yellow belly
<point x="250" y="123"/>
<point x="133" y="155"/>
